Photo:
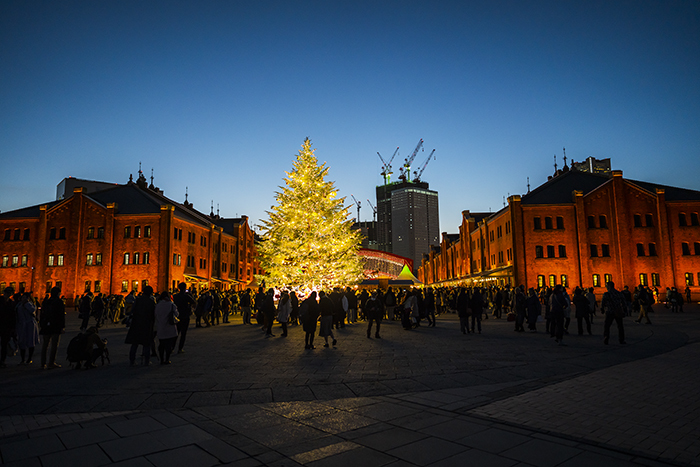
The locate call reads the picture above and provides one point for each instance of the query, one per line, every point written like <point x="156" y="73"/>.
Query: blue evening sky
<point x="219" y="95"/>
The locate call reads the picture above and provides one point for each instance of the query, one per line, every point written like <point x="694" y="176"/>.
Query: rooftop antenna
<point x="140" y="168"/>
<point x="555" y="164"/>
<point x="564" y="149"/>
<point x="528" y="184"/>
<point x="217" y="209"/>
<point x="185" y="195"/>
<point x="504" y="203"/>
<point x="151" y="175"/>
<point x="212" y="208"/>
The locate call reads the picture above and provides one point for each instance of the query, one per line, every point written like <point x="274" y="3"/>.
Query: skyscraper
<point x="407" y="219"/>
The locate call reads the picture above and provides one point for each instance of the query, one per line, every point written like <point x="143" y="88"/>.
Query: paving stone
<point x="136" y="426"/>
<point x="283" y="434"/>
<point x="85" y="456"/>
<point x="587" y="459"/>
<point x="427" y="451"/>
<point x="385" y="411"/>
<point x="181" y="436"/>
<point x="85" y="436"/>
<point x="207" y="398"/>
<point x="493" y="440"/>
<point x="390" y="438"/>
<point x="132" y="446"/>
<point x="475" y="457"/>
<point x="221" y="450"/>
<point x="183" y="457"/>
<point x="135" y="462"/>
<point x="541" y="453"/>
<point x="27" y="448"/>
<point x="360" y="456"/>
<point x="453" y="429"/>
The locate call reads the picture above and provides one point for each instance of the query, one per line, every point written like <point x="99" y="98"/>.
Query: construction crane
<point x="417" y="174"/>
<point x="357" y="203"/>
<point x="386" y="167"/>
<point x="406" y="169"/>
<point x="374" y="211"/>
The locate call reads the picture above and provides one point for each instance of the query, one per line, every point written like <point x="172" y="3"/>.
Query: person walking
<point x="614" y="306"/>
<point x="583" y="311"/>
<point x="327" y="309"/>
<point x="184" y="302"/>
<point x="476" y="303"/>
<point x="245" y="306"/>
<point x="8" y="323"/>
<point x="519" y="303"/>
<point x="463" y="310"/>
<point x="558" y="306"/>
<point x="166" y="318"/>
<point x="308" y="314"/>
<point x="85" y="309"/>
<point x="52" y="323"/>
<point x="643" y="298"/>
<point x="284" y="311"/>
<point x="26" y="328"/>
<point x="269" y="310"/>
<point x="533" y="309"/>
<point x="142" y="324"/>
<point x="373" y="314"/>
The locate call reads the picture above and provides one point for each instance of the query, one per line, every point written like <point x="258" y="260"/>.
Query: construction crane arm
<point x="425" y="164"/>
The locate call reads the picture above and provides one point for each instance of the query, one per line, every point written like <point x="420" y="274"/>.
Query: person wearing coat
<point x="141" y="329"/>
<point x="533" y="308"/>
<point x="27" y="328"/>
<point x="268" y="310"/>
<point x="166" y="328"/>
<point x="308" y="314"/>
<point x="52" y="323"/>
<point x="284" y="310"/>
<point x="583" y="311"/>
<point x="463" y="310"/>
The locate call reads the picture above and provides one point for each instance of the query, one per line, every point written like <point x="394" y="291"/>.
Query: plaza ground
<point x="429" y="396"/>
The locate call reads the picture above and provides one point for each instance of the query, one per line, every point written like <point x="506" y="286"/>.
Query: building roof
<point x="558" y="189"/>
<point x="28" y="212"/>
<point x="672" y="193"/>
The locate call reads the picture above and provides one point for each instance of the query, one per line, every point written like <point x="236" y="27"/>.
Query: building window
<point x="552" y="280"/>
<point x="147" y="258"/>
<point x="8" y="235"/>
<point x="591" y="222"/>
<point x="91" y="232"/>
<point x="596" y="280"/>
<point x="179" y="234"/>
<point x="144" y="284"/>
<point x="608" y="278"/>
<point x="88" y="259"/>
<point x="100" y="232"/>
<point x="59" y="260"/>
<point x="655" y="282"/>
<point x="25" y="260"/>
<point x="52" y="234"/>
<point x="26" y="232"/>
<point x="540" y="281"/>
<point x="694" y="218"/>
<point x="562" y="251"/>
<point x="175" y="259"/>
<point x="637" y="220"/>
<point x="560" y="222"/>
<point x="125" y="286"/>
<point x="98" y="259"/>
<point x="15" y="261"/>
<point x="605" y="250"/>
<point x="135" y="286"/>
<point x="48" y="287"/>
<point x="538" y="223"/>
<point x="643" y="279"/>
<point x="147" y="231"/>
<point x="88" y="285"/>
<point x="137" y="257"/>
<point x="564" y="280"/>
<point x="5" y="261"/>
<point x="59" y="284"/>
<point x="50" y="262"/>
<point x="682" y="220"/>
<point x="696" y="246"/>
<point x="640" y="249"/>
<point x="16" y="234"/>
<point x="652" y="249"/>
<point x="126" y="258"/>
<point x="594" y="251"/>
<point x="137" y="231"/>
<point x="507" y="227"/>
<point x="98" y="286"/>
<point x="62" y="233"/>
<point x="649" y="219"/>
<point x="550" y="251"/>
<point x="127" y="231"/>
<point x="175" y="233"/>
<point x="685" y="247"/>
<point x="548" y="223"/>
<point x="603" y="222"/>
<point x="539" y="252"/>
<point x="689" y="279"/>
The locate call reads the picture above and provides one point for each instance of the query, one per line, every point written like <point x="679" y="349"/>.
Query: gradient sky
<point x="218" y="96"/>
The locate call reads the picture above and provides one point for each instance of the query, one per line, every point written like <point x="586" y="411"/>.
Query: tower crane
<point x="406" y="169"/>
<point x="417" y="174"/>
<point x="374" y="211"/>
<point x="357" y="203"/>
<point x="386" y="167"/>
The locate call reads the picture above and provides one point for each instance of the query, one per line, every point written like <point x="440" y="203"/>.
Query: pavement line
<point x="327" y="451"/>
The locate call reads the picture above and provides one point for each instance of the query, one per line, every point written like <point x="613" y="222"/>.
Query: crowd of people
<point x="165" y="317"/>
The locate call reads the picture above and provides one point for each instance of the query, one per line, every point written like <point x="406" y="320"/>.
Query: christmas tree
<point x="308" y="242"/>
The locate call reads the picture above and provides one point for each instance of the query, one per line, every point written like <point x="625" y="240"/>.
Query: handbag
<point x="172" y="319"/>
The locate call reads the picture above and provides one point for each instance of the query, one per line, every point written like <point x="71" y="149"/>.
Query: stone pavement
<point x="425" y="397"/>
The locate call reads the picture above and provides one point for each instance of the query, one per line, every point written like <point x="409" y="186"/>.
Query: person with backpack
<point x="373" y="313"/>
<point x="614" y="306"/>
<point x="52" y="323"/>
<point x="643" y="299"/>
<point x="141" y="329"/>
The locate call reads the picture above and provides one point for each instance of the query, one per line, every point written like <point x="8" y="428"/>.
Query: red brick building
<point x="121" y="239"/>
<point x="578" y="228"/>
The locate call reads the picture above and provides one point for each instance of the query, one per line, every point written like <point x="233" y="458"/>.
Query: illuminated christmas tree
<point x="308" y="242"/>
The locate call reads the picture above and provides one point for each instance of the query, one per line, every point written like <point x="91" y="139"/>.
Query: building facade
<point x="122" y="239"/>
<point x="407" y="219"/>
<point x="578" y="229"/>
